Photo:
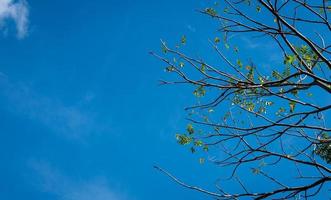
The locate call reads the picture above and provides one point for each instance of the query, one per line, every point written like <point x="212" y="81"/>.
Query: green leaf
<point x="269" y="103"/>
<point x="294" y="92"/>
<point x="169" y="69"/>
<point x="164" y="48"/>
<point x="211" y="11"/>
<point x="280" y="111"/>
<point x="292" y="106"/>
<point x="203" y="68"/>
<point x="262" y="164"/>
<point x="262" y="110"/>
<point x="239" y="63"/>
<point x="183" y="139"/>
<point x="198" y="143"/>
<point x="250" y="74"/>
<point x="226" y="10"/>
<point x="199" y="91"/>
<point x="281" y="90"/>
<point x="205" y="119"/>
<point x="190" y="129"/>
<point x="323" y="148"/>
<point x="289" y="59"/>
<point x="258" y="8"/>
<point x="183" y="39"/>
<point x="255" y="171"/>
<point x="250" y="106"/>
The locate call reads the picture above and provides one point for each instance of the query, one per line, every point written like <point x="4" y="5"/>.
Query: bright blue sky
<point x="82" y="115"/>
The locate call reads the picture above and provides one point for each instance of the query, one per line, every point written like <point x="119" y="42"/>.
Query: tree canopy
<point x="259" y="116"/>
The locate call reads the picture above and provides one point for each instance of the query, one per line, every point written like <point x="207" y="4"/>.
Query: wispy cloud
<point x="254" y="43"/>
<point x="17" y="11"/>
<point x="191" y="28"/>
<point x="71" y="121"/>
<point x="268" y="51"/>
<point x="51" y="180"/>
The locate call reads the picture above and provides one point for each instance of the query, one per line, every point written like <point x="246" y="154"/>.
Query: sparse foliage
<point x="261" y="118"/>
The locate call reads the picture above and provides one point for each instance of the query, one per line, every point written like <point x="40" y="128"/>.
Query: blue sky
<point x="82" y="114"/>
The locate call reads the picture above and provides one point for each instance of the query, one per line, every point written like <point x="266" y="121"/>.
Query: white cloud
<point x="17" y="11"/>
<point x="72" y="121"/>
<point x="50" y="180"/>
